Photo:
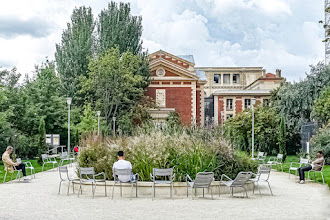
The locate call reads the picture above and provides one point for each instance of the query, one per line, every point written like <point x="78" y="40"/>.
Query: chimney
<point x="264" y="73"/>
<point x="278" y="73"/>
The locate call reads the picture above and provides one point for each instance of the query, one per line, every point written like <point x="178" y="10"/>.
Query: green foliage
<point x="321" y="107"/>
<point x="295" y="102"/>
<point x="73" y="53"/>
<point x="188" y="153"/>
<point x="173" y="119"/>
<point x="118" y="28"/>
<point x="266" y="127"/>
<point x="117" y="82"/>
<point x="42" y="147"/>
<point x="321" y="141"/>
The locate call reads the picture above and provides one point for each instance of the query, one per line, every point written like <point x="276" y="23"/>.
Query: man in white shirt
<point x="122" y="164"/>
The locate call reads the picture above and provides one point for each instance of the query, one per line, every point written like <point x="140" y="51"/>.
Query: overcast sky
<point x="282" y="34"/>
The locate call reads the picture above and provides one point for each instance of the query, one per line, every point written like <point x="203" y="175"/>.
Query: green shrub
<point x="187" y="151"/>
<point x="321" y="141"/>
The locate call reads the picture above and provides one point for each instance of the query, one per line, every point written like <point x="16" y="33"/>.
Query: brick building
<point x="176" y="86"/>
<point x="200" y="94"/>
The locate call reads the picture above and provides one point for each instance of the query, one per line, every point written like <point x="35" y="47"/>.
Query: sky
<point x="274" y="34"/>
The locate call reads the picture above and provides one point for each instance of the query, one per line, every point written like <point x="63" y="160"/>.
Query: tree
<point x="42" y="147"/>
<point x="321" y="108"/>
<point x="117" y="81"/>
<point x="73" y="53"/>
<point x="117" y="27"/>
<point x="282" y="138"/>
<point x="88" y="123"/>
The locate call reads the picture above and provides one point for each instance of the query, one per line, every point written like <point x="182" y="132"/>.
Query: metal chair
<point x="134" y="178"/>
<point x="18" y="175"/>
<point x="64" y="157"/>
<point x="203" y="180"/>
<point x="294" y="168"/>
<point x="90" y="175"/>
<point x="260" y="157"/>
<point x="318" y="171"/>
<point x="263" y="170"/>
<point x="239" y="181"/>
<point x="276" y="160"/>
<point x="47" y="160"/>
<point x="165" y="174"/>
<point x="28" y="165"/>
<point x="64" y="176"/>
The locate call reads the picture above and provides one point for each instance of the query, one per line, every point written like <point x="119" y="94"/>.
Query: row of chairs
<point x="47" y="159"/>
<point x="203" y="180"/>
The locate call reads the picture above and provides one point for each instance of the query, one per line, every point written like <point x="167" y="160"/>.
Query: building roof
<point x="189" y="58"/>
<point x="201" y="74"/>
<point x="242" y="92"/>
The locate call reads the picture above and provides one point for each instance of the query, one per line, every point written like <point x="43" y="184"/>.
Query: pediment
<point x="170" y="71"/>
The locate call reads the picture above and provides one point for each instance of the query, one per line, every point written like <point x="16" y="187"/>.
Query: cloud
<point x="14" y="26"/>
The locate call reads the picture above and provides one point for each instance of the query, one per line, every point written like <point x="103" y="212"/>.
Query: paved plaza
<point x="38" y="199"/>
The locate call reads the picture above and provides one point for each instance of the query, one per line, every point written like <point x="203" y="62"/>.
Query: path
<point x="39" y="200"/>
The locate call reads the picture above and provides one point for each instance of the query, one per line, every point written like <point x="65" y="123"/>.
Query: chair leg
<point x="246" y="192"/>
<point x="4" y="179"/>
<point x="232" y="191"/>
<point x="59" y="188"/>
<point x="270" y="188"/>
<point x="253" y="187"/>
<point x="73" y="187"/>
<point x="132" y="190"/>
<point x="121" y="190"/>
<point x="154" y="190"/>
<point x="211" y="192"/>
<point x="113" y="189"/>
<point x="259" y="189"/>
<point x="105" y="188"/>
<point x="322" y="177"/>
<point x="68" y="188"/>
<point x="203" y="192"/>
<point x="80" y="189"/>
<point x="93" y="189"/>
<point x="136" y="187"/>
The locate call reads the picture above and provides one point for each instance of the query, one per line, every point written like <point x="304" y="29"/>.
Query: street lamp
<point x="98" y="122"/>
<point x="68" y="101"/>
<point x="222" y="117"/>
<point x="253" y="102"/>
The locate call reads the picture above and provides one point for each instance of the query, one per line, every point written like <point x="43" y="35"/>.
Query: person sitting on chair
<point x="122" y="164"/>
<point x="316" y="165"/>
<point x="9" y="164"/>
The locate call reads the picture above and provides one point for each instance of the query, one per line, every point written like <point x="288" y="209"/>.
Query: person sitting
<point x="9" y="164"/>
<point x="316" y="165"/>
<point x="122" y="164"/>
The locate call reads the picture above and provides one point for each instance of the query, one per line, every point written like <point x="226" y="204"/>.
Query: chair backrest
<point x="279" y="156"/>
<point x="122" y="172"/>
<point x="203" y="179"/>
<point x="44" y="157"/>
<point x="162" y="172"/>
<point x="261" y="154"/>
<point x="18" y="160"/>
<point x="303" y="161"/>
<point x="242" y="178"/>
<point x="64" y="154"/>
<point x="63" y="169"/>
<point x="87" y="171"/>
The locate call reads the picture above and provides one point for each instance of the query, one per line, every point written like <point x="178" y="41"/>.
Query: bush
<point x="321" y="141"/>
<point x="188" y="151"/>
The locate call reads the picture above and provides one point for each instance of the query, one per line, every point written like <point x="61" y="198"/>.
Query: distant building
<point x="200" y="94"/>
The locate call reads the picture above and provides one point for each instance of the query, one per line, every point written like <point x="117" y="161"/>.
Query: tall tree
<point x="73" y="53"/>
<point x="42" y="147"/>
<point x="282" y="138"/>
<point x="116" y="26"/>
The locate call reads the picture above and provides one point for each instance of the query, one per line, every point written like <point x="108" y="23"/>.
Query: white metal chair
<point x="263" y="171"/>
<point x="260" y="157"/>
<point x="64" y="157"/>
<point x="240" y="181"/>
<point x="29" y="166"/>
<point x="90" y="175"/>
<point x="203" y="180"/>
<point x="47" y="160"/>
<point x="64" y="176"/>
<point x="18" y="175"/>
<point x="168" y="176"/>
<point x="275" y="161"/>
<point x="134" y="178"/>
<point x="318" y="171"/>
<point x="303" y="161"/>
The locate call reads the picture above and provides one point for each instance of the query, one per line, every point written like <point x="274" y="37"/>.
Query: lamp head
<point x="98" y="113"/>
<point x="69" y="100"/>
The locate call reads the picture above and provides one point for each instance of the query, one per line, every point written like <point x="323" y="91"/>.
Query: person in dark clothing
<point x="316" y="165"/>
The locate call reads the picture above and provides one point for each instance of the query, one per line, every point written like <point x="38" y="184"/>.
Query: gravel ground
<point x="38" y="199"/>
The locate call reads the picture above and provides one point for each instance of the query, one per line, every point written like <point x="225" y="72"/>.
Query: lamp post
<point x="253" y="102"/>
<point x="68" y="101"/>
<point x="98" y="122"/>
<point x="222" y="117"/>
